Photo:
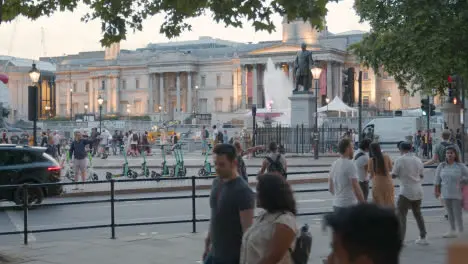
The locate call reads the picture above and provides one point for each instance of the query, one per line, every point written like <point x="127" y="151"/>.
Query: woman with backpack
<point x="450" y="177"/>
<point x="272" y="236"/>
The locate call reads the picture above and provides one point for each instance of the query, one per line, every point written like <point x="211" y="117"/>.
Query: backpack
<point x="442" y="150"/>
<point x="241" y="168"/>
<point x="360" y="154"/>
<point x="135" y="137"/>
<point x="276" y="166"/>
<point x="301" y="253"/>
<point x="207" y="134"/>
<point x="220" y="137"/>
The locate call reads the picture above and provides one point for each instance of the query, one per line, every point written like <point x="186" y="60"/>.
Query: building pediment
<point x="280" y="48"/>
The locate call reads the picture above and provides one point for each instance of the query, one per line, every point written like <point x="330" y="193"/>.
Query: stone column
<point x="116" y="95"/>
<point x="150" y="94"/>
<point x="161" y="92"/>
<point x="178" y="94"/>
<point x="255" y="85"/>
<point x="109" y="94"/>
<point x="90" y="96"/>
<point x="189" y="92"/>
<point x="58" y="87"/>
<point x="244" y="87"/>
<point x="329" y="80"/>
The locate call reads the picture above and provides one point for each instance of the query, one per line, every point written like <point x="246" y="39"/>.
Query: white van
<point x="392" y="130"/>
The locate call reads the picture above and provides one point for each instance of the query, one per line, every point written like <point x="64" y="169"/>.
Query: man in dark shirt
<point x="232" y="208"/>
<point x="79" y="155"/>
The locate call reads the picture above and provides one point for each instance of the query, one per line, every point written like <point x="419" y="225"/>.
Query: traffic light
<point x="348" y="86"/>
<point x="426" y="107"/>
<point x="453" y="91"/>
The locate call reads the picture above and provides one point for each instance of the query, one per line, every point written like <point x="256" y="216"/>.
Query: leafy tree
<point x="418" y="42"/>
<point x="117" y="16"/>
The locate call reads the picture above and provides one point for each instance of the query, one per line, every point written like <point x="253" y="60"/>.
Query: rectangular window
<point x="203" y="81"/>
<point x="203" y="105"/>
<point x="139" y="107"/>
<point x="218" y="81"/>
<point x="231" y="104"/>
<point x="365" y="101"/>
<point x="365" y="75"/>
<point x="137" y="84"/>
<point x="74" y="87"/>
<point x="218" y="104"/>
<point x="124" y="84"/>
<point x="87" y="87"/>
<point x="103" y="85"/>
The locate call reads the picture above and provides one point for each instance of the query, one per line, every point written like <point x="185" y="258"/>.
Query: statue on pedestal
<point x="302" y="65"/>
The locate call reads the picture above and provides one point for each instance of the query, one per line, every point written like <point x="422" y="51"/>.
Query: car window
<point x="7" y="158"/>
<point x="15" y="157"/>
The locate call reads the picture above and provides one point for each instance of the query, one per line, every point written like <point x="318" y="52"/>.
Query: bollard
<point x="194" y="207"/>
<point x="112" y="200"/>
<point x="25" y="213"/>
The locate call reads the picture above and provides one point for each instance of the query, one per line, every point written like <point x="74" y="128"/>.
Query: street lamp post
<point x="34" y="74"/>
<point x="316" y="71"/>
<point x="328" y="101"/>
<point x="86" y="109"/>
<point x="389" y="99"/>
<point x="47" y="108"/>
<point x="71" y="104"/>
<point x="100" y="101"/>
<point x="160" y="113"/>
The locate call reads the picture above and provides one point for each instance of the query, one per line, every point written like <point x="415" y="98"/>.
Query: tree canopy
<point x="420" y="43"/>
<point x="118" y="16"/>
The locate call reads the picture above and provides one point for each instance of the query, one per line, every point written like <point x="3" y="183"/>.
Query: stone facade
<point x="208" y="76"/>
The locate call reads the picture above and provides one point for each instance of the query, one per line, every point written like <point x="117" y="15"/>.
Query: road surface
<point x="148" y="211"/>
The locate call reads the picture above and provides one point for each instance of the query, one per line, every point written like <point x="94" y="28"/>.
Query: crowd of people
<point x="365" y="230"/>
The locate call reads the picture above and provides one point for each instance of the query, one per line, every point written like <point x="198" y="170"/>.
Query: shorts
<point x="80" y="165"/>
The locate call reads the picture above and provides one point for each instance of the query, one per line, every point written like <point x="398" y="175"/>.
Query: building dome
<point x="298" y="31"/>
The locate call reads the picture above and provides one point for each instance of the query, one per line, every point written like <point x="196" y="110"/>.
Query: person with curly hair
<point x="273" y="233"/>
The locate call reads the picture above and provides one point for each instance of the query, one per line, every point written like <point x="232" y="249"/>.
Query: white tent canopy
<point x="337" y="105"/>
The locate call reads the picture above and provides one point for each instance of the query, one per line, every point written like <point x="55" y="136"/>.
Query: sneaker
<point x="450" y="234"/>
<point x="422" y="242"/>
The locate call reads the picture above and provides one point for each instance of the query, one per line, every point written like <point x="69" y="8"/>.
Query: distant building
<point x="17" y="70"/>
<point x="209" y="76"/>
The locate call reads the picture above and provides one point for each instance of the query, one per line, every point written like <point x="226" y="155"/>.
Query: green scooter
<point x="179" y="169"/>
<point x="126" y="171"/>
<point x="165" y="171"/>
<point x="144" y="166"/>
<point x="206" y="170"/>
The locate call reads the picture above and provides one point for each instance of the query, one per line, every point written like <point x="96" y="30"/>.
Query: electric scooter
<point x="179" y="169"/>
<point x="165" y="171"/>
<point x="206" y="170"/>
<point x="126" y="171"/>
<point x="144" y="167"/>
<point x="92" y="175"/>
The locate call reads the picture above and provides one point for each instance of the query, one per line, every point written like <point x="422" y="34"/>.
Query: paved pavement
<point x="187" y="248"/>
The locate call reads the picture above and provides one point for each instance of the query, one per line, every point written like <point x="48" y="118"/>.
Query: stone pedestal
<point x="451" y="115"/>
<point x="303" y="109"/>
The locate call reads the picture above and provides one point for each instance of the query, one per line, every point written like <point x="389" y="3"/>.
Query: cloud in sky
<point x="64" y="33"/>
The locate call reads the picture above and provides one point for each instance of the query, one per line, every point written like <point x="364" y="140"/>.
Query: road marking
<point x="18" y="223"/>
<point x="311" y="201"/>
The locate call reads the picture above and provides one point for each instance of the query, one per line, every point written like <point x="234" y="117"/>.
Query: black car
<point x="24" y="164"/>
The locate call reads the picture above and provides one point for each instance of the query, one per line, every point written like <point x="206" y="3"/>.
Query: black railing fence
<point x="113" y="223"/>
<point x="299" y="139"/>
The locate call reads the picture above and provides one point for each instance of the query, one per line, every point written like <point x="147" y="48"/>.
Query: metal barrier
<point x="113" y="200"/>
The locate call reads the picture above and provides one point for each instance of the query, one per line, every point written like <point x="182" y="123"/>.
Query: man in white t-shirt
<point x="409" y="169"/>
<point x="343" y="181"/>
<point x="361" y="158"/>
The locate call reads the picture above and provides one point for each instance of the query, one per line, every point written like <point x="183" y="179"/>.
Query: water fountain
<point x="277" y="89"/>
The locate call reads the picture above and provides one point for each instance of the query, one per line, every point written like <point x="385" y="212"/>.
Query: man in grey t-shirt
<point x="361" y="158"/>
<point x="232" y="205"/>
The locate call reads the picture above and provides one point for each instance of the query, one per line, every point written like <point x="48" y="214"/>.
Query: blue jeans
<point x="204" y="145"/>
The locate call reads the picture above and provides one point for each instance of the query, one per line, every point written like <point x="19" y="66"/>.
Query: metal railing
<point x="113" y="200"/>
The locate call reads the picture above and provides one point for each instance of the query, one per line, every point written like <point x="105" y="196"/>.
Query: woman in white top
<point x="272" y="236"/>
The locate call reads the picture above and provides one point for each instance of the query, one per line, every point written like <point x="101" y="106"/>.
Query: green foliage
<point x="418" y="42"/>
<point x="139" y="118"/>
<point x="117" y="16"/>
